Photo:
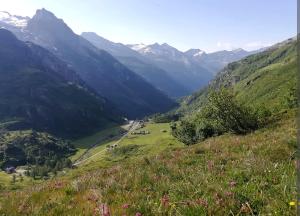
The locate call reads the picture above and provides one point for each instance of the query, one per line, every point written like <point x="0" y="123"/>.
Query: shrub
<point x="291" y="98"/>
<point x="165" y="118"/>
<point x="185" y="132"/>
<point x="231" y="115"/>
<point x="222" y="113"/>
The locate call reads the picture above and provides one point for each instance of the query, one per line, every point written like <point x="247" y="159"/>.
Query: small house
<point x="10" y="170"/>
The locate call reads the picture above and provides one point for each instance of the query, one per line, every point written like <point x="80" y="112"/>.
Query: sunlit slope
<point x="263" y="78"/>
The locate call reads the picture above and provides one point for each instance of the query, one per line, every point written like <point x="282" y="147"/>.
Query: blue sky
<point x="206" y="24"/>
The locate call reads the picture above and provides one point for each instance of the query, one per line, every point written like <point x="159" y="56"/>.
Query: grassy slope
<point x="6" y="181"/>
<point x="96" y="139"/>
<point x="221" y="176"/>
<point x="269" y="75"/>
<point x="133" y="146"/>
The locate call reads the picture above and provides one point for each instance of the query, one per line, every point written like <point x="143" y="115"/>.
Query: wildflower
<point x="202" y="202"/>
<point x="165" y="200"/>
<point x="228" y="193"/>
<point x="138" y="214"/>
<point x="292" y="203"/>
<point x="245" y="208"/>
<point x="210" y="165"/>
<point x="104" y="210"/>
<point x="125" y="206"/>
<point x="232" y="183"/>
<point x="219" y="200"/>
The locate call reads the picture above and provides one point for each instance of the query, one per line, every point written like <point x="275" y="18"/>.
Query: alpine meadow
<point x="100" y="115"/>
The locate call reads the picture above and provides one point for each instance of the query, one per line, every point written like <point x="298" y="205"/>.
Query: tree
<point x="222" y="113"/>
<point x="229" y="114"/>
<point x="185" y="132"/>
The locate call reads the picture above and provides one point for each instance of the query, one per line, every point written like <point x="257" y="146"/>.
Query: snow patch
<point x="17" y="21"/>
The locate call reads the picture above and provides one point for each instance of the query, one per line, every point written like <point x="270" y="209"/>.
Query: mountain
<point x="180" y="67"/>
<point x="138" y="64"/>
<point x="216" y="61"/>
<point x="39" y="91"/>
<point x="266" y="78"/>
<point x="98" y="69"/>
<point x="194" y="53"/>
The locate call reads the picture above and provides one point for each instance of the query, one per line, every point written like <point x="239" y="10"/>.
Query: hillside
<point x="20" y="148"/>
<point x="260" y="79"/>
<point x="38" y="91"/>
<point x="252" y="174"/>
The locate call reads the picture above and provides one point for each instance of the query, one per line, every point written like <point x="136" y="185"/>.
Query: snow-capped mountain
<point x="17" y="21"/>
<point x="216" y="61"/>
<point x="137" y="47"/>
<point x="180" y="66"/>
<point x="157" y="50"/>
<point x="194" y="53"/>
<point x="138" y="64"/>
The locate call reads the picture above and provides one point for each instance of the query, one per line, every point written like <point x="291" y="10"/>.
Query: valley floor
<point x="154" y="174"/>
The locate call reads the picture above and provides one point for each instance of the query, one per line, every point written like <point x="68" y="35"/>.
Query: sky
<point x="209" y="25"/>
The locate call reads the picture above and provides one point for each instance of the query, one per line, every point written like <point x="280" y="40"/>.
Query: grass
<point x="7" y="184"/>
<point x="150" y="144"/>
<point x="227" y="175"/>
<point x="272" y="86"/>
<point x="85" y="143"/>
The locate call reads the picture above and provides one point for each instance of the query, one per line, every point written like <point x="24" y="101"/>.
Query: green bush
<point x="222" y="113"/>
<point x="229" y="113"/>
<point x="165" y="118"/>
<point x="185" y="132"/>
<point x="291" y="98"/>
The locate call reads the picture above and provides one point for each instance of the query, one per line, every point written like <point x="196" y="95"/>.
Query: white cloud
<point x="225" y="46"/>
<point x="254" y="45"/>
<point x="16" y="7"/>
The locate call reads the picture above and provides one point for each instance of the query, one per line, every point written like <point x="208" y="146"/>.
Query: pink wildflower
<point x="104" y="210"/>
<point x="232" y="183"/>
<point x="202" y="202"/>
<point x="228" y="194"/>
<point x="210" y="165"/>
<point x="125" y="206"/>
<point x="165" y="200"/>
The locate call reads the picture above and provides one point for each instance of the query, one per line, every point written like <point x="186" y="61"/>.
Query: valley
<point x="90" y="126"/>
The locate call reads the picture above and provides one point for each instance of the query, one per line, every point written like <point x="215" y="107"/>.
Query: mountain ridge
<point x="138" y="64"/>
<point x="101" y="71"/>
<point x="45" y="98"/>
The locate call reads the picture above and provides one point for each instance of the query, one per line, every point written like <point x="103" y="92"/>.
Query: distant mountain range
<point x="180" y="67"/>
<point x="139" y="64"/>
<point x="107" y="76"/>
<point x="169" y="70"/>
<point x="39" y="91"/>
<point x="216" y="61"/>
